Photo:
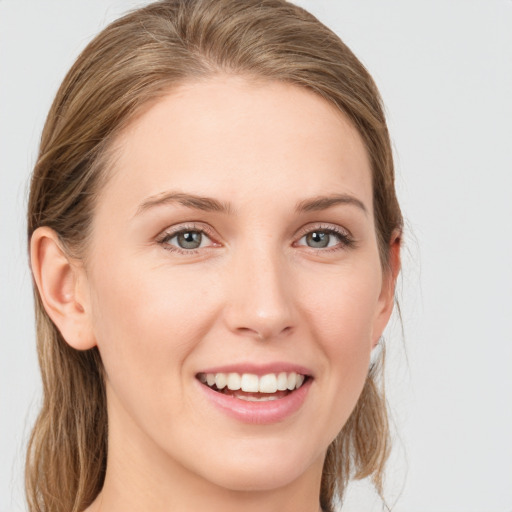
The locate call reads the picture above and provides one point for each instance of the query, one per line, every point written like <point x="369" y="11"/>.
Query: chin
<point x="249" y="479"/>
<point x="265" y="471"/>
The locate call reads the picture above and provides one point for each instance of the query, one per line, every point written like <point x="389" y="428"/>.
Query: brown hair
<point x="134" y="61"/>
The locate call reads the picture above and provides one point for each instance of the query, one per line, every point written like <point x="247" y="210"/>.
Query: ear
<point x="387" y="294"/>
<point x="61" y="282"/>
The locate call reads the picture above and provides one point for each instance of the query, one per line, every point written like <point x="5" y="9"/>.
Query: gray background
<point x="444" y="68"/>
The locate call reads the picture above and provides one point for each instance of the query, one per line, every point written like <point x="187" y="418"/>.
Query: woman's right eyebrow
<point x="196" y="202"/>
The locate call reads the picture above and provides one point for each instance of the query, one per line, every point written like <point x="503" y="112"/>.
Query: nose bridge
<point x="260" y="301"/>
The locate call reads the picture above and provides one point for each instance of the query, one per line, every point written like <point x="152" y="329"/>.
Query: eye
<point x="319" y="239"/>
<point x="325" y="238"/>
<point x="186" y="240"/>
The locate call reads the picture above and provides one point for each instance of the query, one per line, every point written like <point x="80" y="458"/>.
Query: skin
<point x="254" y="291"/>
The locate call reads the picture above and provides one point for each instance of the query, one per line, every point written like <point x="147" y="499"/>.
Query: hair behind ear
<point x="363" y="446"/>
<point x="69" y="440"/>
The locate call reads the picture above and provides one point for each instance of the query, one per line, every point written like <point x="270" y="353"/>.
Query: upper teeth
<point x="250" y="383"/>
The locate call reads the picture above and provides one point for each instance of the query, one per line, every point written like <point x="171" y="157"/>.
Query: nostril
<point x="263" y="333"/>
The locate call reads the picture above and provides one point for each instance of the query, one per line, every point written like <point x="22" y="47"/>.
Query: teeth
<point x="292" y="381"/>
<point x="249" y="398"/>
<point x="268" y="384"/>
<point x="234" y="381"/>
<point x="221" y="380"/>
<point x="250" y="383"/>
<point x="282" y="381"/>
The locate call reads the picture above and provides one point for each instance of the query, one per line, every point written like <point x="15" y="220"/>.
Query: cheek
<point x="345" y="307"/>
<point x="140" y="302"/>
<point x="342" y="316"/>
<point x="146" y="323"/>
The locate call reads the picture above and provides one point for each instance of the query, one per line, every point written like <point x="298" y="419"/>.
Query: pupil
<point x="318" y="239"/>
<point x="189" y="239"/>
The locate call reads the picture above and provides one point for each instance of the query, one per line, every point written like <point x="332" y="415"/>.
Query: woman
<point x="214" y="238"/>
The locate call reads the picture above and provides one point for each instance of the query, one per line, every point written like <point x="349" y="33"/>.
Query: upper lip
<point x="259" y="369"/>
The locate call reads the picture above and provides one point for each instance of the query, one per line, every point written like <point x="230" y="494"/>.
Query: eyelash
<point x="346" y="240"/>
<point x="164" y="239"/>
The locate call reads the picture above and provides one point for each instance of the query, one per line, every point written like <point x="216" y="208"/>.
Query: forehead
<point x="238" y="140"/>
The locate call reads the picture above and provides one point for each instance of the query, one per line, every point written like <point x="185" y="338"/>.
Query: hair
<point x="129" y="65"/>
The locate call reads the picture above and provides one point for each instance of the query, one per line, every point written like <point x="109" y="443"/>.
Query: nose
<point x="260" y="301"/>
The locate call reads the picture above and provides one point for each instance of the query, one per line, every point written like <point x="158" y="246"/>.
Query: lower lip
<point x="265" y="412"/>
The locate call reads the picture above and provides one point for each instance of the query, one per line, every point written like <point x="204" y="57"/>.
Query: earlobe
<point x="387" y="295"/>
<point x="61" y="284"/>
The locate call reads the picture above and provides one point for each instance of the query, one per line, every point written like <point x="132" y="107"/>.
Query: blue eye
<point x="187" y="240"/>
<point x="324" y="239"/>
<point x="318" y="239"/>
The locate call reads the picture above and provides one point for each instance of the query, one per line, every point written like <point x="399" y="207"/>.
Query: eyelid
<point x="322" y="226"/>
<point x="173" y="231"/>
<point x="347" y="239"/>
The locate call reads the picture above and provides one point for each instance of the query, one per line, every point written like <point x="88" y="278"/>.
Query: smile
<point x="251" y="387"/>
<point x="257" y="394"/>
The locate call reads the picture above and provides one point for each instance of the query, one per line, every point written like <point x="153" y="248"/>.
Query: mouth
<point x="254" y="388"/>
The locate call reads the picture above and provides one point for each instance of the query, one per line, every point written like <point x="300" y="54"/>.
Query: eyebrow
<point x="195" y="202"/>
<point x="324" y="202"/>
<point x="209" y="204"/>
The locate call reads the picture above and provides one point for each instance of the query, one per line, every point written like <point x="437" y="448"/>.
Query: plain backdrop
<point x="444" y="68"/>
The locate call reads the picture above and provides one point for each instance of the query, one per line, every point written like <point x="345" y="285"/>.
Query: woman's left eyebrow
<point x="324" y="202"/>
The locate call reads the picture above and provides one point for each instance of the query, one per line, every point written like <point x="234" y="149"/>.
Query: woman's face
<point x="234" y="242"/>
